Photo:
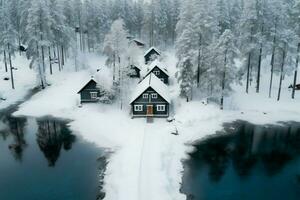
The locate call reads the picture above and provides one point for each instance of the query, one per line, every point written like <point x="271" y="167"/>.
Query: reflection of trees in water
<point x="242" y="151"/>
<point x="52" y="136"/>
<point x="215" y="154"/>
<point x="283" y="147"/>
<point x="4" y="133"/>
<point x="247" y="145"/>
<point x="14" y="127"/>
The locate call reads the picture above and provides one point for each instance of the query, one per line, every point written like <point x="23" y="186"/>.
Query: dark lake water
<point x="246" y="162"/>
<point x="40" y="159"/>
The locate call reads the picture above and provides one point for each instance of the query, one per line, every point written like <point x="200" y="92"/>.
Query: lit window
<point x="138" y="107"/>
<point x="145" y="96"/>
<point x="93" y="95"/>
<point x="154" y="96"/>
<point x="161" y="107"/>
<point x="156" y="72"/>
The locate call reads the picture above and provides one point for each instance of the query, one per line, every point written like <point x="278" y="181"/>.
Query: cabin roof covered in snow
<point x="158" y="64"/>
<point x="92" y="80"/>
<point x="155" y="83"/>
<point x="139" y="41"/>
<point x="149" y="50"/>
<point x="137" y="66"/>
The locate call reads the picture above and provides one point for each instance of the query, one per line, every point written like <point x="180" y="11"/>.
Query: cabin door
<point x="150" y="110"/>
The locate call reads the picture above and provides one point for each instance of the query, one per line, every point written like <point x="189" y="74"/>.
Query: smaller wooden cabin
<point x="90" y="92"/>
<point x="138" y="43"/>
<point x="135" y="71"/>
<point x="151" y="55"/>
<point x="297" y="87"/>
<point x="151" y="98"/>
<point x="159" y="70"/>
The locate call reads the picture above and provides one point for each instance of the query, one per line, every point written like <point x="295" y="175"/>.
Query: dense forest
<point x="209" y="37"/>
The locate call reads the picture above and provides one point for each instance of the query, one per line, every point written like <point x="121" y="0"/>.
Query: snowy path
<point x="156" y="161"/>
<point x="147" y="164"/>
<point x="142" y="185"/>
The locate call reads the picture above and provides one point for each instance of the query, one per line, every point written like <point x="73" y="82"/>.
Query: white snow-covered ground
<point x="146" y="160"/>
<point x="25" y="80"/>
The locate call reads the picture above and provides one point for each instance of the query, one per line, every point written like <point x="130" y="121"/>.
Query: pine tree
<point x="295" y="16"/>
<point x="185" y="79"/>
<point x="8" y="36"/>
<point x="39" y="25"/>
<point x="227" y="52"/>
<point x="115" y="47"/>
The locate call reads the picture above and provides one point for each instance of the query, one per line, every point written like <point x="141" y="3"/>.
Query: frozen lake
<point x="42" y="159"/>
<point x="246" y="162"/>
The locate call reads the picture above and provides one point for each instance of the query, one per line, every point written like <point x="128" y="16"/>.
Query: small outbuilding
<point x="159" y="70"/>
<point x="151" y="54"/>
<point x="297" y="87"/>
<point x="151" y="98"/>
<point x="135" y="71"/>
<point x="90" y="92"/>
<point x="138" y="43"/>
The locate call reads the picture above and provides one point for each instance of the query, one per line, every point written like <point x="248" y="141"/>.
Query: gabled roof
<point x="158" y="64"/>
<point x="139" y="42"/>
<point x="135" y="66"/>
<point x="92" y="80"/>
<point x="149" y="50"/>
<point x="151" y="81"/>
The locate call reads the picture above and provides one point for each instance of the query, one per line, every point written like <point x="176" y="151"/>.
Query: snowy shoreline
<point x="147" y="159"/>
<point x="146" y="162"/>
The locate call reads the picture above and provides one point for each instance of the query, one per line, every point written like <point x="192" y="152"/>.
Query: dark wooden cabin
<point x="90" y="92"/>
<point x="297" y="87"/>
<point x="135" y="72"/>
<point x="151" y="55"/>
<point x="151" y="98"/>
<point x="159" y="70"/>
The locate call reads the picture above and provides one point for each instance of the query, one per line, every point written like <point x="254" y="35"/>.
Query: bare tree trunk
<point x="296" y="72"/>
<point x="43" y="59"/>
<point x="281" y="71"/>
<point x="152" y="26"/>
<point x="114" y="67"/>
<point x="223" y="81"/>
<point x="50" y="61"/>
<point x="120" y="83"/>
<point x="249" y="63"/>
<point x="54" y="52"/>
<point x="80" y="40"/>
<point x="259" y="69"/>
<point x="39" y="67"/>
<point x="248" y="72"/>
<point x="58" y="57"/>
<point x="199" y="61"/>
<point x="76" y="52"/>
<point x="5" y="61"/>
<point x="11" y="67"/>
<point x="272" y="61"/>
<point x="62" y="56"/>
<point x="19" y="42"/>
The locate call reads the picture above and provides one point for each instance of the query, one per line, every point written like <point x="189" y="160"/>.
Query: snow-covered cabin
<point x="151" y="54"/>
<point x="151" y="98"/>
<point x="135" y="71"/>
<point x="157" y="68"/>
<point x="90" y="92"/>
<point x="23" y="47"/>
